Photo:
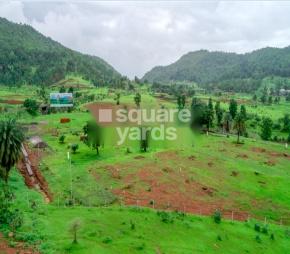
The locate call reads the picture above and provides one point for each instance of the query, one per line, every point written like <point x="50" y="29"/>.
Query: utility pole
<point x="71" y="184"/>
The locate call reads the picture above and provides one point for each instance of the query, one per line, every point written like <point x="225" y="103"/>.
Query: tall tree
<point x="93" y="135"/>
<point x="239" y="125"/>
<point x="11" y="138"/>
<point x="137" y="99"/>
<point x="117" y="98"/>
<point x="31" y="106"/>
<point x="209" y="114"/>
<point x="144" y="139"/>
<point x="198" y="113"/>
<point x="181" y="100"/>
<point x="233" y="108"/>
<point x="227" y="122"/>
<point x="218" y="113"/>
<point x="254" y="97"/>
<point x="266" y="128"/>
<point x="62" y="89"/>
<point x="243" y="112"/>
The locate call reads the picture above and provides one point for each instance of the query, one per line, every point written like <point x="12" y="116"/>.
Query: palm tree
<point x="239" y="125"/>
<point x="11" y="138"/>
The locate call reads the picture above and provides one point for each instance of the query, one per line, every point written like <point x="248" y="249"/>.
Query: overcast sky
<point x="136" y="36"/>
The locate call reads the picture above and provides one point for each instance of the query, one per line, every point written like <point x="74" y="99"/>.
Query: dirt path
<point x="34" y="178"/>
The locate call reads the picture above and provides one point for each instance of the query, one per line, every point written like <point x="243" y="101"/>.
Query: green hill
<point x="226" y="71"/>
<point x="28" y="57"/>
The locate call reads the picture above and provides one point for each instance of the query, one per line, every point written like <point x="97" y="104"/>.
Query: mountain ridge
<point x="218" y="69"/>
<point x="27" y="56"/>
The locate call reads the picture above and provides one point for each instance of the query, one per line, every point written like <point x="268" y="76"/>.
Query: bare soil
<point x="36" y="181"/>
<point x="18" y="249"/>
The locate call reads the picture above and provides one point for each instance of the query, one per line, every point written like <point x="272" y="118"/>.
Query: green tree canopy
<point x="11" y="138"/>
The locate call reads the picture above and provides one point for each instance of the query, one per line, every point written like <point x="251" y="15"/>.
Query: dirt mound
<point x="243" y="156"/>
<point x="114" y="170"/>
<point x="192" y="157"/>
<point x="270" y="163"/>
<point x="139" y="157"/>
<point x="258" y="150"/>
<point x="234" y="173"/>
<point x="168" y="155"/>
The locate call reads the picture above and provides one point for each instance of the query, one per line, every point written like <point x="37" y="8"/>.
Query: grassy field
<point x="161" y="201"/>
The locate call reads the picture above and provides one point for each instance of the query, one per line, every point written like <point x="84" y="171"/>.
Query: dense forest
<point x="28" y="57"/>
<point x="225" y="71"/>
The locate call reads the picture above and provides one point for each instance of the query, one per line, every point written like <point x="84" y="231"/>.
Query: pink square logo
<point x="105" y="115"/>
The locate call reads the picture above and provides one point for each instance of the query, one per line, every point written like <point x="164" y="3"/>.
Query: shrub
<point x="265" y="230"/>
<point x="9" y="216"/>
<point x="132" y="225"/>
<point x="61" y="139"/>
<point x="31" y="106"/>
<point x="107" y="240"/>
<point x="74" y="148"/>
<point x="272" y="237"/>
<point x="165" y="217"/>
<point x="257" y="227"/>
<point x="141" y="247"/>
<point x="217" y="216"/>
<point x="258" y="239"/>
<point x="219" y="238"/>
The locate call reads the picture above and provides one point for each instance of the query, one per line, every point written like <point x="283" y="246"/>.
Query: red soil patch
<point x="271" y="153"/>
<point x="96" y="106"/>
<point x="168" y="155"/>
<point x="243" y="156"/>
<point x="258" y="150"/>
<point x="18" y="249"/>
<point x="115" y="171"/>
<point x="36" y="181"/>
<point x="64" y="120"/>
<point x="171" y="188"/>
<point x="234" y="173"/>
<point x="270" y="163"/>
<point x="12" y="102"/>
<point x="139" y="157"/>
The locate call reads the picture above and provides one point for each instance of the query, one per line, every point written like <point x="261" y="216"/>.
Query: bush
<point x="257" y="227"/>
<point x="165" y="217"/>
<point x="217" y="216"/>
<point x="219" y="238"/>
<point x="132" y="225"/>
<point x="31" y="106"/>
<point x="272" y="237"/>
<point x="107" y="240"/>
<point x="10" y="217"/>
<point x="74" y="148"/>
<point x="141" y="247"/>
<point x="61" y="139"/>
<point x="265" y="230"/>
<point x="258" y="239"/>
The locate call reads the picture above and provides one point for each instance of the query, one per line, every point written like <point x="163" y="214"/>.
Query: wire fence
<point x="64" y="201"/>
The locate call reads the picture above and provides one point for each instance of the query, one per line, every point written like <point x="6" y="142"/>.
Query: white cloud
<point x="136" y="36"/>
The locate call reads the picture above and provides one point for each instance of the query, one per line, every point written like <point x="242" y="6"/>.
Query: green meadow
<point x="161" y="201"/>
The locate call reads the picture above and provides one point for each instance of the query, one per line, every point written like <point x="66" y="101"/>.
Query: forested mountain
<point x="28" y="57"/>
<point x="227" y="71"/>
